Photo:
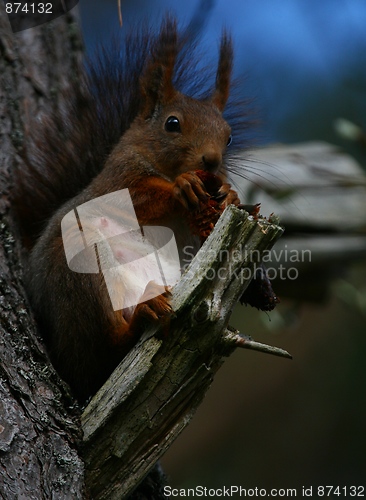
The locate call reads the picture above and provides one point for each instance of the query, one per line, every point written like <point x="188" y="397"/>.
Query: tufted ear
<point x="156" y="82"/>
<point x="223" y="74"/>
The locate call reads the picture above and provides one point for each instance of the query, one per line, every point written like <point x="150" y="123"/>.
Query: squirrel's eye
<point x="172" y="124"/>
<point x="230" y="140"/>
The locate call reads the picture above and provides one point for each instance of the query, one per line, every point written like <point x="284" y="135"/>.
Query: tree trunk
<point x="39" y="426"/>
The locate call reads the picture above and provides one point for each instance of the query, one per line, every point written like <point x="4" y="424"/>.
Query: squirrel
<point x="129" y="124"/>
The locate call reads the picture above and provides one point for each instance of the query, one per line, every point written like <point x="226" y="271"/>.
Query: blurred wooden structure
<point x="320" y="195"/>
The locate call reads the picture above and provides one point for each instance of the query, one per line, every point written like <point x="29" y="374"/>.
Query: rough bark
<point x="39" y="428"/>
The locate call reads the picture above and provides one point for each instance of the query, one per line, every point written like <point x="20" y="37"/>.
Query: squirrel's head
<point x="176" y="132"/>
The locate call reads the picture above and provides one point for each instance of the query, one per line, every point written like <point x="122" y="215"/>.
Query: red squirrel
<point x="127" y="124"/>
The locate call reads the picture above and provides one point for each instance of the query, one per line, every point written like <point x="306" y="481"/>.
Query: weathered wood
<point x="152" y="395"/>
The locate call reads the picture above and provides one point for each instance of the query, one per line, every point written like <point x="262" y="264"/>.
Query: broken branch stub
<point x="154" y="392"/>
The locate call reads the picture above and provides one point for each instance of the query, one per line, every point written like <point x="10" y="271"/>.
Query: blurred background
<point x="269" y="422"/>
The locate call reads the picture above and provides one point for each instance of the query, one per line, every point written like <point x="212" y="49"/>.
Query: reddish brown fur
<point x="85" y="336"/>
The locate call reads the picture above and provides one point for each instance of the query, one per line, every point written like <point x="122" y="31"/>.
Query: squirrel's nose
<point x="212" y="160"/>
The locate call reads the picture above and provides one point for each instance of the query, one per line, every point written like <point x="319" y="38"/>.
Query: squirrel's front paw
<point x="154" y="303"/>
<point x="227" y="196"/>
<point x="154" y="307"/>
<point x="189" y="190"/>
<point x="218" y="190"/>
<point x="221" y="195"/>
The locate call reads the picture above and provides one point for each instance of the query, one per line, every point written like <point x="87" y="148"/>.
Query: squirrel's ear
<point x="223" y="74"/>
<point x="156" y="83"/>
<point x="156" y="88"/>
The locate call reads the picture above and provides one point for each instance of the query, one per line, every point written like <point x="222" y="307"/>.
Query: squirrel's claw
<point x="189" y="190"/>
